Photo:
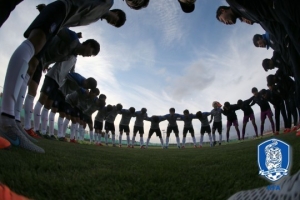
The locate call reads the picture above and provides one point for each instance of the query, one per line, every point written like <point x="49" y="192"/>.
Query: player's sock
<point x="120" y="139"/>
<point x="14" y="78"/>
<point x="210" y="140"/>
<point x="227" y="136"/>
<point x="167" y="141"/>
<point x="77" y="134"/>
<point x="147" y="143"/>
<point x="51" y="123"/>
<point x="183" y="141"/>
<point x="201" y="140"/>
<point x="28" y="105"/>
<point x="72" y="135"/>
<point x="238" y="134"/>
<point x="60" y="125"/>
<point x="91" y="136"/>
<point x="273" y="126"/>
<point x="128" y="140"/>
<point x="44" y="119"/>
<point x="243" y="132"/>
<point x="161" y="142"/>
<point x="194" y="141"/>
<point x="20" y="100"/>
<point x="133" y="140"/>
<point x="96" y="137"/>
<point x="261" y="129"/>
<point x="178" y="141"/>
<point x="220" y="137"/>
<point x="37" y="115"/>
<point x="105" y="138"/>
<point x="81" y="132"/>
<point x="65" y="126"/>
<point x="113" y="138"/>
<point x="141" y="141"/>
<point x="214" y="137"/>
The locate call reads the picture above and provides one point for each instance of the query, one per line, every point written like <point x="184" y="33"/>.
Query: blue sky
<point x="162" y="58"/>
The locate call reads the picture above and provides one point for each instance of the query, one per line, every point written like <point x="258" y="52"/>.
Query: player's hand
<point x="79" y="35"/>
<point x="40" y="7"/>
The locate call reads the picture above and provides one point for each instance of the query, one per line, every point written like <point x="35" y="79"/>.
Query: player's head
<point x="240" y="102"/>
<point x="199" y="114"/>
<point x="216" y="104"/>
<point x="144" y="110"/>
<point x="259" y="41"/>
<point x="187" y="6"/>
<point x="119" y="107"/>
<point x="263" y="93"/>
<point x="172" y="111"/>
<point x="109" y="108"/>
<point x="225" y="15"/>
<point x="155" y="118"/>
<point x="88" y="48"/>
<point x="115" y="17"/>
<point x="94" y="92"/>
<point x="254" y="91"/>
<point x="132" y="110"/>
<point x="89" y="83"/>
<point x="271" y="79"/>
<point x="102" y="96"/>
<point x="137" y="4"/>
<point x="267" y="64"/>
<point x="270" y="86"/>
<point x="186" y="112"/>
<point x="101" y="102"/>
<point x="227" y="105"/>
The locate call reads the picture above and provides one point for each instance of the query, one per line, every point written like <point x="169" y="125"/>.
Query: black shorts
<point x="217" y="126"/>
<point x="87" y="119"/>
<point x="157" y="131"/>
<point x="124" y="128"/>
<point x="205" y="129"/>
<point x="59" y="102"/>
<point x="109" y="126"/>
<point x="98" y="125"/>
<point x="186" y="130"/>
<point x="139" y="129"/>
<point x="49" y="20"/>
<point x="172" y="128"/>
<point x="50" y="88"/>
<point x="37" y="75"/>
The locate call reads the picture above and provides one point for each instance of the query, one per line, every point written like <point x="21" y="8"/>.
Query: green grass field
<point x="73" y="171"/>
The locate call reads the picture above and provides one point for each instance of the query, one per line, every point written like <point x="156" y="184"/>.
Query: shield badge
<point x="273" y="158"/>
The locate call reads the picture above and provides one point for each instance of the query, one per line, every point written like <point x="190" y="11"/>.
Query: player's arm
<point x="211" y="118"/>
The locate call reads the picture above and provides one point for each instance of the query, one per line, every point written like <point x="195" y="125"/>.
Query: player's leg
<point x="158" y="134"/>
<point x="220" y="132"/>
<point x="262" y="123"/>
<point x="214" y="127"/>
<point x="113" y="135"/>
<point x="229" y="123"/>
<point x="168" y="137"/>
<point x="106" y="127"/>
<point x="208" y="130"/>
<point x="277" y="119"/>
<point x="192" y="131"/>
<point x="176" y="131"/>
<point x="270" y="116"/>
<point x="184" y="133"/>
<point x="127" y="131"/>
<point x="151" y="131"/>
<point x="121" y="128"/>
<point x="135" y="130"/>
<point x="236" y="125"/>
<point x="141" y="131"/>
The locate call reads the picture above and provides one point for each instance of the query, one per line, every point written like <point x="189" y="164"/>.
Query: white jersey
<point x="126" y="116"/>
<point x="112" y="115"/>
<point x="140" y="118"/>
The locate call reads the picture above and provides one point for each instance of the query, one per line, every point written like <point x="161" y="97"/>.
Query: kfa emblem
<point x="273" y="158"/>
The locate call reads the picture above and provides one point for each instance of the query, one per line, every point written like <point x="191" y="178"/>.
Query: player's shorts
<point x="109" y="126"/>
<point x="37" y="75"/>
<point x="264" y="114"/>
<point x="98" y="125"/>
<point x="217" y="126"/>
<point x="49" y="20"/>
<point x="87" y="119"/>
<point x="157" y="131"/>
<point x="205" y="129"/>
<point x="234" y="123"/>
<point x="186" y="130"/>
<point x="139" y="129"/>
<point x="247" y="117"/>
<point x="172" y="128"/>
<point x="124" y="128"/>
<point x="59" y="102"/>
<point x="50" y="88"/>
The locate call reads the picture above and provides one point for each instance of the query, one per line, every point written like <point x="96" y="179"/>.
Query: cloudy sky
<point x="162" y="58"/>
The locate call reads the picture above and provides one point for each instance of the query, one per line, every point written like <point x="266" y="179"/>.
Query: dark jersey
<point x="246" y="107"/>
<point x="263" y="103"/>
<point x="231" y="115"/>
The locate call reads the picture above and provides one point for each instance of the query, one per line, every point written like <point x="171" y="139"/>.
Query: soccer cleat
<point x="52" y="137"/>
<point x="195" y="146"/>
<point x="211" y="145"/>
<point x="106" y="144"/>
<point x="10" y="131"/>
<point x="287" y="130"/>
<point x="143" y="147"/>
<point x="219" y="143"/>
<point x="200" y="146"/>
<point x="298" y="133"/>
<point x="132" y="146"/>
<point x="289" y="189"/>
<point x="39" y="133"/>
<point x="4" y="144"/>
<point x="178" y="147"/>
<point x="7" y="194"/>
<point x="32" y="133"/>
<point x="120" y="145"/>
<point x="276" y="133"/>
<point x="99" y="144"/>
<point x="73" y="141"/>
<point x="114" y="145"/>
<point x="19" y="125"/>
<point x="62" y="139"/>
<point x="46" y="136"/>
<point x="128" y="146"/>
<point x="182" y="147"/>
<point x="294" y="128"/>
<point x="165" y="147"/>
<point x="215" y="143"/>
